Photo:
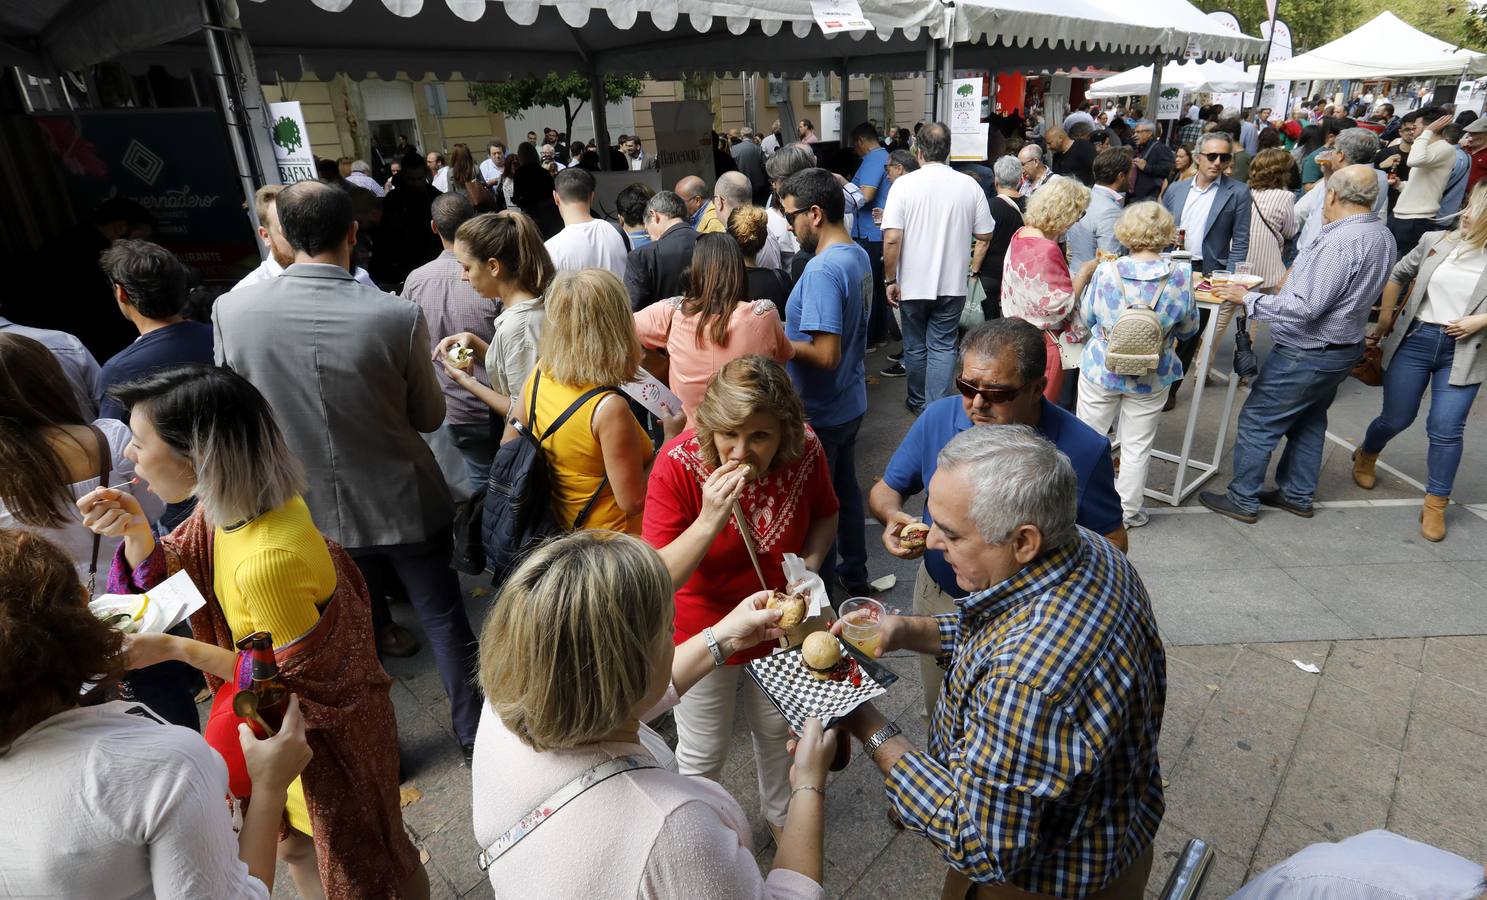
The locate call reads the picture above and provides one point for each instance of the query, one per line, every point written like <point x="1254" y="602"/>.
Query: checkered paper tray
<point x="799" y="695"/>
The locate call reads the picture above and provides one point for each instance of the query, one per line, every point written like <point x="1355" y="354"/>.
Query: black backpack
<point x="515" y="513"/>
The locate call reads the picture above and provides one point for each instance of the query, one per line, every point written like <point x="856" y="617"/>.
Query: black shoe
<point x="1221" y="504"/>
<point x="896" y="370"/>
<point x="469" y="751"/>
<point x="913" y="410"/>
<point x="1274" y="498"/>
<point x="896" y="357"/>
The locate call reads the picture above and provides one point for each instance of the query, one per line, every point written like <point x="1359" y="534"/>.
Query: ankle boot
<point x="1363" y="474"/>
<point x="1433" y="518"/>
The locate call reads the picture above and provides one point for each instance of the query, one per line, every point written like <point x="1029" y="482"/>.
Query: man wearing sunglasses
<point x="1212" y="208"/>
<point x="1000" y="383"/>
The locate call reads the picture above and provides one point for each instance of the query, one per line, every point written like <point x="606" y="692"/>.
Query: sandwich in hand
<point x="913" y="535"/>
<point x="792" y="608"/>
<point x="461" y="357"/>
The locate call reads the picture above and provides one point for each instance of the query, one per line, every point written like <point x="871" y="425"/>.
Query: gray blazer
<point x="1468" y="366"/>
<point x="346" y="369"/>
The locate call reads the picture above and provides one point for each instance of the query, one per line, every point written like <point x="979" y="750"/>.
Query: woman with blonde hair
<point x="598" y="456"/>
<point x="749" y="225"/>
<point x="1037" y="286"/>
<point x="503" y="258"/>
<point x="749" y="446"/>
<point x="713" y="322"/>
<point x="1134" y="390"/>
<point x="253" y="551"/>
<point x="1435" y="340"/>
<point x="576" y="656"/>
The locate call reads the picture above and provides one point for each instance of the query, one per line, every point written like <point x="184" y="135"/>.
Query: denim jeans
<point x="881" y="325"/>
<point x="840" y="445"/>
<point x="1288" y="399"/>
<point x="930" y="328"/>
<point x="1424" y="358"/>
<point x="477" y="443"/>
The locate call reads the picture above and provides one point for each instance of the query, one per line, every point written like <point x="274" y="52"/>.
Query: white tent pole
<point x="947" y="82"/>
<point x="243" y="104"/>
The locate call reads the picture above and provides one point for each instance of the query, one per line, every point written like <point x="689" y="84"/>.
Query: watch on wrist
<point x="888" y="281"/>
<point x="712" y="647"/>
<point x="879" y="738"/>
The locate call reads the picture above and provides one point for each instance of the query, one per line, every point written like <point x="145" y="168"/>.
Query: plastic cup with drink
<point x="862" y="623"/>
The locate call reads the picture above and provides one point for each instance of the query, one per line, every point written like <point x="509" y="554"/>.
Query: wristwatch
<point x="712" y="647"/>
<point x="888" y="281"/>
<point x="879" y="738"/>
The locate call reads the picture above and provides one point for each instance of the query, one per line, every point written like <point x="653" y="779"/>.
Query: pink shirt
<point x="646" y="833"/>
<point x="753" y="328"/>
<point x="1037" y="288"/>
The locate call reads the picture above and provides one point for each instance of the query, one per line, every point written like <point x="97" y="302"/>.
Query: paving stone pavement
<point x="1260" y="757"/>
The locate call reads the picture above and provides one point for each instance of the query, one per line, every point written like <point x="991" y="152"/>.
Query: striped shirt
<point x="1332" y="286"/>
<point x="1041" y="769"/>
<point x="1272" y="222"/>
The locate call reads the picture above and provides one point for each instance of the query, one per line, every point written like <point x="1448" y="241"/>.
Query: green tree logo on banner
<point x="965" y="90"/>
<point x="1169" y="93"/>
<point x="286" y="134"/>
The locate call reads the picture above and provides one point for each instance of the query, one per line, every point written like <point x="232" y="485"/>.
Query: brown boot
<point x="1363" y="474"/>
<point x="1433" y="518"/>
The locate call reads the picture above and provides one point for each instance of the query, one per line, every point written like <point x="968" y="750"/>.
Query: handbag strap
<point x="559" y="422"/>
<point x="105" y="469"/>
<point x="1256" y="204"/>
<point x="559" y="798"/>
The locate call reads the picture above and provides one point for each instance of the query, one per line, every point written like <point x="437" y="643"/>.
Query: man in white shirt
<point x="490" y="167"/>
<point x="585" y="242"/>
<point x="438" y="171"/>
<point x="1354" y="147"/>
<point x="635" y="158"/>
<point x="772" y="141"/>
<point x="549" y="158"/>
<point x="927" y="225"/>
<point x="280" y="254"/>
<point x="1375" y="865"/>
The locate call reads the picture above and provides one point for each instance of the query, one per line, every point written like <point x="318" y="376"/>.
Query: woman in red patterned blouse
<point x="750" y="444"/>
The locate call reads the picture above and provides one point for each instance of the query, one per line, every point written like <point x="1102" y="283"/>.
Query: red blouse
<point x="781" y="507"/>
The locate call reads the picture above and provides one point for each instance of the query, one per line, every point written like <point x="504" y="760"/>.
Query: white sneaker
<point x="1217" y="378"/>
<point x="1137" y="519"/>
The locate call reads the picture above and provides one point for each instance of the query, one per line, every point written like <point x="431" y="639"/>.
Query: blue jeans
<point x="1289" y="399"/>
<point x="1424" y="358"/>
<point x="839" y="442"/>
<point x="930" y="328"/>
<point x="477" y="443"/>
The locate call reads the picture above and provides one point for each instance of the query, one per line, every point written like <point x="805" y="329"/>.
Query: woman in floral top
<point x="1036" y="284"/>
<point x="1146" y="280"/>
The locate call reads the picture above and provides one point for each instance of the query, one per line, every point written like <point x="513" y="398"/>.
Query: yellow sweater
<point x="274" y="573"/>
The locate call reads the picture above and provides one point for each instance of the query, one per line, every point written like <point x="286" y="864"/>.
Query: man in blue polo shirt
<point x="1001" y="383"/>
<point x="826" y="321"/>
<point x="872" y="179"/>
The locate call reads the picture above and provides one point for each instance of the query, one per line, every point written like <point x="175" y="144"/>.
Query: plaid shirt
<point x="1188" y="135"/>
<point x="1042" y="765"/>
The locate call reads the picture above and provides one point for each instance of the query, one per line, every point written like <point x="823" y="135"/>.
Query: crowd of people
<point x="304" y="456"/>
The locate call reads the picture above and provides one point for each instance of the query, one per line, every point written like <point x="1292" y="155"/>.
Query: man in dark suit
<point x="654" y="271"/>
<point x="1152" y="165"/>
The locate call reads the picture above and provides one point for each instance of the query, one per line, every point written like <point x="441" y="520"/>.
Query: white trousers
<point x="704" y="728"/>
<point x="1139" y="415"/>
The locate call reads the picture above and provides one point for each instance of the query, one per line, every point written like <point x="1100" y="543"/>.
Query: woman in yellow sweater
<point x="253" y="551"/>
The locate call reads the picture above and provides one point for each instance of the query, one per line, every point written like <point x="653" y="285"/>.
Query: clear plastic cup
<point x="862" y="621"/>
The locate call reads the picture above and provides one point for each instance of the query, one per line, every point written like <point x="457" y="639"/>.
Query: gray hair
<point x="1031" y="151"/>
<point x="1017" y="477"/>
<point x="1211" y="136"/>
<point x="1146" y="123"/>
<point x="788" y="160"/>
<point x="735" y="188"/>
<point x="934" y="142"/>
<point x="360" y="165"/>
<point x="1355" y="185"/>
<point x="1008" y="172"/>
<point x="667" y="204"/>
<point x="1357" y="145"/>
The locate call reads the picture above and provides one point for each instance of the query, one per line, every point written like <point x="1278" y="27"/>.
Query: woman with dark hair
<point x="254" y="553"/>
<point x="107" y="800"/>
<point x="465" y="176"/>
<point x="713" y="322"/>
<point x="508" y="182"/>
<point x="532" y="190"/>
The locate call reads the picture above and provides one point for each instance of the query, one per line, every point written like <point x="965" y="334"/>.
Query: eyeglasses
<point x="790" y="215"/>
<point x="1217" y="157"/>
<point x="988" y="395"/>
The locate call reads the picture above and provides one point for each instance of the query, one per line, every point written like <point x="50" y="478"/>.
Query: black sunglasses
<point x="790" y="216"/>
<point x="1217" y="157"/>
<point x="988" y="395"/>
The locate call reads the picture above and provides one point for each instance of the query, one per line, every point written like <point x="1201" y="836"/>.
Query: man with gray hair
<point x="1317" y="320"/>
<point x="1354" y="147"/>
<point x="1034" y="173"/>
<point x="1153" y="163"/>
<point x="732" y="191"/>
<point x="654" y="271"/>
<point x="361" y="176"/>
<point x="1041" y="771"/>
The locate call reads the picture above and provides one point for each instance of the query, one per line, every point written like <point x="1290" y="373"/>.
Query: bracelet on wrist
<point x="808" y="787"/>
<point x="719" y="657"/>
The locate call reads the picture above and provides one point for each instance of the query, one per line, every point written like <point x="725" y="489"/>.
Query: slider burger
<point x="913" y="535"/>
<point x="821" y="654"/>
<point x="792" y="608"/>
<point x="461" y="357"/>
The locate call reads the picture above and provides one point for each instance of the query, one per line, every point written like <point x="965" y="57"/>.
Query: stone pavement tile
<point x="1174" y="542"/>
<point x="743" y="784"/>
<point x="1187" y="699"/>
<point x="909" y="866"/>
<point x="1314" y="652"/>
<point x="1238" y="605"/>
<point x="1466" y="538"/>
<point x="445" y="793"/>
<point x="1370" y="672"/>
<point x="1440" y="774"/>
<point x="1212" y="661"/>
<point x="452" y="849"/>
<point x="1242" y="745"/>
<point x="858" y="828"/>
<point x="1230" y="814"/>
<point x="1408" y="652"/>
<point x="1386" y="600"/>
<point x="1472" y="643"/>
<point x="1451" y="662"/>
<point x="1260" y="679"/>
<point x="1282" y="837"/>
<point x="1380" y="719"/>
<point x="1428" y="831"/>
<point x="1338" y="783"/>
<point x="1453" y="703"/>
<point x="1225" y="875"/>
<point x="1390" y="534"/>
<point x="1475" y="570"/>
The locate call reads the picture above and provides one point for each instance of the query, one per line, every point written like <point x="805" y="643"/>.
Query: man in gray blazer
<point x="1096" y="230"/>
<point x="346" y="369"/>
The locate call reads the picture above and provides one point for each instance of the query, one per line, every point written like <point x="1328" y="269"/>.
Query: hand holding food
<point x="814" y="750"/>
<point x="460" y="356"/>
<point x="913" y="536"/>
<point x="792" y="607"/>
<point x="722" y="489"/>
<point x="894" y="532"/>
<point x="112" y="513"/>
<point x="274" y="763"/>
<point x="749" y="624"/>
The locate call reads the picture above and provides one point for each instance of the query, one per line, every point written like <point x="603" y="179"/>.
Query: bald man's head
<point x="734" y="189"/>
<point x="1351" y="190"/>
<point x="693" y="191"/>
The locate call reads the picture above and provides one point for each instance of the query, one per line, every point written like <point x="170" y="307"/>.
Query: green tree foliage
<point x="570" y="91"/>
<point x="1315" y="22"/>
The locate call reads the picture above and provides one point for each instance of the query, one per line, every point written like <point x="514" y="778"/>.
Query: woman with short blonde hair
<point x="597" y="459"/>
<point x="1037" y="286"/>
<point x="575" y="657"/>
<point x="1113" y="384"/>
<point x="751" y="450"/>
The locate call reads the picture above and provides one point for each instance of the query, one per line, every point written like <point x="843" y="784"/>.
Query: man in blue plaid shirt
<point x="1041" y="772"/>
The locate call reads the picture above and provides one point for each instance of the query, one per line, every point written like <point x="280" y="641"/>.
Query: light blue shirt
<point x="1195" y="211"/>
<point x="1375" y="865"/>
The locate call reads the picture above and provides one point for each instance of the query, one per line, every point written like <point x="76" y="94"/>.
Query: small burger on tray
<point x="822" y="656"/>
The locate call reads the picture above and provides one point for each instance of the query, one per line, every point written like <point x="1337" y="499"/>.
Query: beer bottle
<point x="273" y="693"/>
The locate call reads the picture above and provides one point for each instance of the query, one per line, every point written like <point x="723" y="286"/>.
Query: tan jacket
<point x="1469" y="366"/>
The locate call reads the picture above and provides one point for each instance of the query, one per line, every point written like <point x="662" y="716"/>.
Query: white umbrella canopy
<point x="1095" y="26"/>
<point x="1384" y="47"/>
<point x="1193" y="76"/>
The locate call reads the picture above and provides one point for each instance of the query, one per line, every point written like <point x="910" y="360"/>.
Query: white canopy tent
<point x="1193" y="76"/>
<point x="1382" y="48"/>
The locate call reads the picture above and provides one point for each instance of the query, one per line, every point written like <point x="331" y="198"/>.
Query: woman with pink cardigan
<point x="1036" y="284"/>
<point x="574" y="795"/>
